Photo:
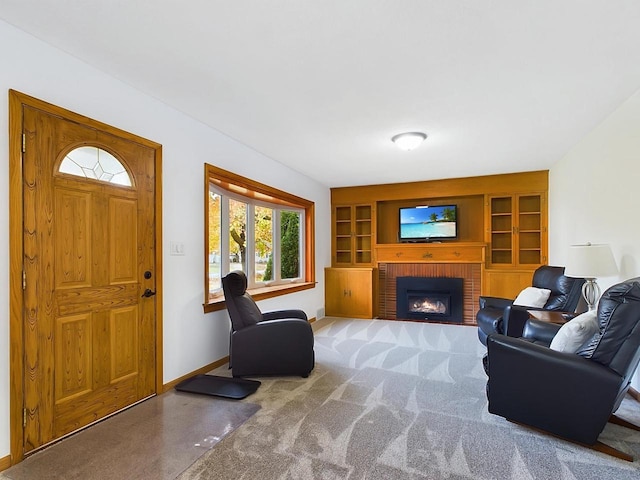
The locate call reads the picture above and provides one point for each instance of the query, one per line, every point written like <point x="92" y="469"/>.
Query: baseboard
<point x="5" y="462"/>
<point x="207" y="368"/>
<point x="635" y="394"/>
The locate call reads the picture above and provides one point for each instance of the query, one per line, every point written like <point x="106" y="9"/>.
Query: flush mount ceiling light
<point x="408" y="140"/>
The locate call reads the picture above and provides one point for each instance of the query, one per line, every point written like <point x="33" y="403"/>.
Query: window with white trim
<point x="257" y="229"/>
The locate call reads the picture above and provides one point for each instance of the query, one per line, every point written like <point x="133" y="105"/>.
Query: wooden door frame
<point x="16" y="301"/>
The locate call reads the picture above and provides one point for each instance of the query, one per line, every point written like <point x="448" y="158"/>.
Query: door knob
<point x="148" y="293"/>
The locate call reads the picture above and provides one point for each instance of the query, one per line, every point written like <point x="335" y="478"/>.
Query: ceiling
<point x="322" y="85"/>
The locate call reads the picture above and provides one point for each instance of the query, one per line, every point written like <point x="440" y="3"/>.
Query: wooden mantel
<point x="458" y="252"/>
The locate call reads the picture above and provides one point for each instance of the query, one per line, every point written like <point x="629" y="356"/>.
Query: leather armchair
<point x="540" y="333"/>
<point x="571" y="395"/>
<point x="499" y="315"/>
<point x="273" y="343"/>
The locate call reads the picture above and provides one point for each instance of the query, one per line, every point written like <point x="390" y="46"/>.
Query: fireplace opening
<point x="420" y="298"/>
<point x="429" y="303"/>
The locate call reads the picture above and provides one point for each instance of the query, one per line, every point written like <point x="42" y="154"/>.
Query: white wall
<point x="593" y="194"/>
<point x="191" y="338"/>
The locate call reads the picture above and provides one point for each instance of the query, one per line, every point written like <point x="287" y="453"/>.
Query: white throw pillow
<point x="532" y="297"/>
<point x="573" y="334"/>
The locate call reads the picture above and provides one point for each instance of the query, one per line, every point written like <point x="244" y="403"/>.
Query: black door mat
<point x="227" y="387"/>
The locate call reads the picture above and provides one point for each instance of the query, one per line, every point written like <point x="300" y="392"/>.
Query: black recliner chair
<point x="571" y="395"/>
<point x="498" y="315"/>
<point x="271" y="343"/>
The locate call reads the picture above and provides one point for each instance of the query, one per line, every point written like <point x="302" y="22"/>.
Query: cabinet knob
<point x="427" y="255"/>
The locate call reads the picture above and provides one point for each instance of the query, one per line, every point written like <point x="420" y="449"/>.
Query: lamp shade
<point x="590" y="261"/>
<point x="409" y="140"/>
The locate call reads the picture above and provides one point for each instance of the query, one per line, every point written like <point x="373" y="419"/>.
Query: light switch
<point x="176" y="248"/>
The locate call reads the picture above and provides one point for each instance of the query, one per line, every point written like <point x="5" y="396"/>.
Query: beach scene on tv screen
<point x="432" y="222"/>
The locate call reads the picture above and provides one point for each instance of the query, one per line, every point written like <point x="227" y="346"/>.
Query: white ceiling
<point x="322" y="85"/>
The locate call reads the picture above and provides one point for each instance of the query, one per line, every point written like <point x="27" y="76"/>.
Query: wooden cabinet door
<point x="501" y="230"/>
<point x="350" y="292"/>
<point x="531" y="228"/>
<point x="506" y="283"/>
<point x="517" y="242"/>
<point x="517" y="230"/>
<point x="343" y="235"/>
<point x="353" y="227"/>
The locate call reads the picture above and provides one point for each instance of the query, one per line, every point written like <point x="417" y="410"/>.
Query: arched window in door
<point x="95" y="163"/>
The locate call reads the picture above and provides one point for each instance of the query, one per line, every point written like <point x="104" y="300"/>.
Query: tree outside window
<point x="263" y="253"/>
<point x="238" y="235"/>
<point x="215" y="247"/>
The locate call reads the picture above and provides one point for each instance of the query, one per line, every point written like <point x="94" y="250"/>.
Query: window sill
<point x="260" y="294"/>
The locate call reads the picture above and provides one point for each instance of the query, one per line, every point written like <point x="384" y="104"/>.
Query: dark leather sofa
<point x="499" y="315"/>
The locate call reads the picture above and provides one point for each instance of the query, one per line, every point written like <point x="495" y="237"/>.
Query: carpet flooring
<point x="399" y="400"/>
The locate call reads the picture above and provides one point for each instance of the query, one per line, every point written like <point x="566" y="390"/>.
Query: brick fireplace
<point x="470" y="273"/>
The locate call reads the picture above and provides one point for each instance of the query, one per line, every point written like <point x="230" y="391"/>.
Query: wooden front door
<point x="89" y="263"/>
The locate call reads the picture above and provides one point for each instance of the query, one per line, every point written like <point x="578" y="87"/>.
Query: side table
<point x="551" y="316"/>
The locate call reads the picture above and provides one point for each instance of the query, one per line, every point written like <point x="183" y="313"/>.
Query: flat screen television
<point x="426" y="223"/>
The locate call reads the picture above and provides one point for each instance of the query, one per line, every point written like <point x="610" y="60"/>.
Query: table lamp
<point x="590" y="261"/>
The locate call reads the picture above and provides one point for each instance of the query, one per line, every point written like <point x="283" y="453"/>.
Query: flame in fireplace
<point x="428" y="306"/>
